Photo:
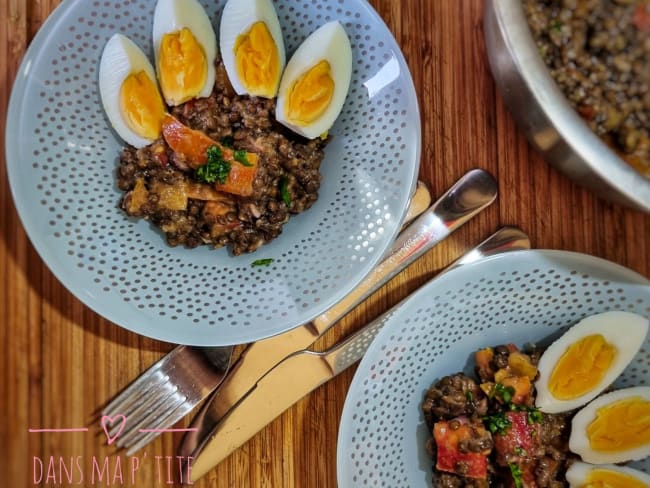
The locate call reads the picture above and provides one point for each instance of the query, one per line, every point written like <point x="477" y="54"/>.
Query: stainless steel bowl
<point x="544" y="114"/>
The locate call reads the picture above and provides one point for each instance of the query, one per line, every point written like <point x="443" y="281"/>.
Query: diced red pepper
<point x="449" y="455"/>
<point x="519" y="441"/>
<point x="641" y="18"/>
<point x="192" y="145"/>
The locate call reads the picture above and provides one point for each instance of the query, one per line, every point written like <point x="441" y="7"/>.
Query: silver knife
<point x="472" y="193"/>
<point x="304" y="371"/>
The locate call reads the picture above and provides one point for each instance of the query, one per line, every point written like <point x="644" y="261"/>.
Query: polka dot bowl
<point x="62" y="157"/>
<point x="520" y="297"/>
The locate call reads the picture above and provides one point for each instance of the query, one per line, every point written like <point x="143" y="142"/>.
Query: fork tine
<point x="145" y="411"/>
<point x="152" y="422"/>
<point x="133" y="408"/>
<point x="171" y="419"/>
<point x="135" y="390"/>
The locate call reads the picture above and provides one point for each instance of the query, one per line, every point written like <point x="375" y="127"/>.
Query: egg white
<point x="237" y="18"/>
<point x="121" y="57"/>
<point x="578" y="473"/>
<point x="331" y="43"/>
<point x="174" y="15"/>
<point x="624" y="330"/>
<point x="579" y="443"/>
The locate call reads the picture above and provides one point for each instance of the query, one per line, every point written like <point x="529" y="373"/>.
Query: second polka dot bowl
<point x="520" y="297"/>
<point x="62" y="157"/>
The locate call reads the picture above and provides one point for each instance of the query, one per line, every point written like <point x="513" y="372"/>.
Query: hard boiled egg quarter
<point x="614" y="428"/>
<point x="185" y="48"/>
<point x="315" y="82"/>
<point x="130" y="96"/>
<point x="587" y="359"/>
<point x="252" y="47"/>
<point x="580" y="475"/>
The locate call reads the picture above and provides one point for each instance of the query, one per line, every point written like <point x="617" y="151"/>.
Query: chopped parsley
<point x="216" y="170"/>
<point x="497" y="424"/>
<point x="556" y="26"/>
<point x="520" y="451"/>
<point x="262" y="262"/>
<point x="516" y="475"/>
<point x="470" y="396"/>
<point x="240" y="157"/>
<point x="534" y="416"/>
<point x="227" y="141"/>
<point x="284" y="191"/>
<point x="504" y="392"/>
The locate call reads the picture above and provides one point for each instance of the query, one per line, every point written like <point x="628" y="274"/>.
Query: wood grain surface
<point x="61" y="362"/>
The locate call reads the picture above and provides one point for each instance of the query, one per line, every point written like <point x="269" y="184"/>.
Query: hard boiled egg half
<point x="582" y="475"/>
<point x="587" y="359"/>
<point x="315" y="82"/>
<point x="614" y="428"/>
<point x="130" y="96"/>
<point x="252" y="47"/>
<point x="185" y="48"/>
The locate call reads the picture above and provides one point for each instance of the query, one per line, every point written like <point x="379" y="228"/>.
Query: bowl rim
<point x="592" y="150"/>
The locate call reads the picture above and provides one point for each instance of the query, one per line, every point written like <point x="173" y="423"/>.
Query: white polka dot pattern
<point x="520" y="297"/>
<point x="62" y="157"/>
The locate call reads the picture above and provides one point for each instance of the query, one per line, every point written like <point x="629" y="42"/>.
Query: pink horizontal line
<point x="81" y="429"/>
<point x="169" y="430"/>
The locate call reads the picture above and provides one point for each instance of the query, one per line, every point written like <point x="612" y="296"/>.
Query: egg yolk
<point x="142" y="106"/>
<point x="310" y="96"/>
<point x="620" y="426"/>
<point x="258" y="61"/>
<point x="182" y="66"/>
<point x="582" y="367"/>
<point x="604" y="478"/>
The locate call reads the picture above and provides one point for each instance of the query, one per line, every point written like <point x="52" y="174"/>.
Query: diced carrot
<point x="483" y="358"/>
<point x="449" y="455"/>
<point x="641" y="18"/>
<point x="192" y="146"/>
<point x="522" y="387"/>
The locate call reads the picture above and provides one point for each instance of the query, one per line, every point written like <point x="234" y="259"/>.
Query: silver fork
<point x="173" y="386"/>
<point x="166" y="392"/>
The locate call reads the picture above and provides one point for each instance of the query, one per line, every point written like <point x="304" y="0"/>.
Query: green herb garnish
<point x="497" y="424"/>
<point x="520" y="451"/>
<point x="240" y="157"/>
<point x="504" y="392"/>
<point x="516" y="475"/>
<point x="284" y="191"/>
<point x="556" y="26"/>
<point x="470" y="396"/>
<point x="216" y="169"/>
<point x="227" y="141"/>
<point x="262" y="262"/>
<point x="534" y="415"/>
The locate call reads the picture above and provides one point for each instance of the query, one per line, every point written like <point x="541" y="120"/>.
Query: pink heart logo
<point x="108" y="422"/>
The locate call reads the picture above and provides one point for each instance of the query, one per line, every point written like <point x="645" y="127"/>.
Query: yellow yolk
<point x="581" y="368"/>
<point x="310" y="96"/>
<point x="183" y="67"/>
<point x="258" y="62"/>
<point x="603" y="478"/>
<point x="621" y="426"/>
<point x="142" y="105"/>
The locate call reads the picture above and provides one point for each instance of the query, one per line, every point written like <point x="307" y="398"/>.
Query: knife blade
<point x="471" y="194"/>
<point x="304" y="371"/>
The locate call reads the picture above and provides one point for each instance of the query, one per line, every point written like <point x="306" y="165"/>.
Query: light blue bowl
<point x="62" y="157"/>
